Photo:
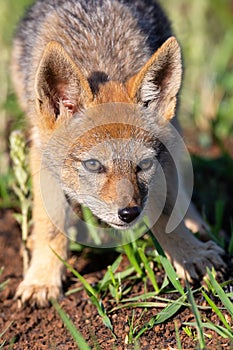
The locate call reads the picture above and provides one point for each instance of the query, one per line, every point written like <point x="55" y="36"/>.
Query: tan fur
<point x="112" y="92"/>
<point x="70" y="60"/>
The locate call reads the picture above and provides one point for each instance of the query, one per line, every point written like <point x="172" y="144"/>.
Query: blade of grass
<point x="72" y="291"/>
<point x="162" y="316"/>
<point x="5" y="330"/>
<point x="226" y="283"/>
<point x="3" y="285"/>
<point x="223" y="332"/>
<point x="107" y="278"/>
<point x="126" y="273"/>
<point x="77" y="336"/>
<point x="133" y="325"/>
<point x="115" y="287"/>
<point x="144" y="304"/>
<point x="92" y="222"/>
<point x="132" y="259"/>
<point x="220" y="292"/>
<point x="2" y="344"/>
<point x="178" y="341"/>
<point x="154" y="296"/>
<point x="197" y="316"/>
<point x="86" y="285"/>
<point x="164" y="284"/>
<point x="90" y="291"/>
<point x="149" y="270"/>
<point x="167" y="265"/>
<point x="131" y="329"/>
<point x="216" y="310"/>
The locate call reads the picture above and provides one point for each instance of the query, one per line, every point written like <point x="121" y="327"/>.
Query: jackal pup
<point x="71" y="59"/>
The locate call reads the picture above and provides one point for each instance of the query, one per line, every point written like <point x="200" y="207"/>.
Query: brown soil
<point x="43" y="328"/>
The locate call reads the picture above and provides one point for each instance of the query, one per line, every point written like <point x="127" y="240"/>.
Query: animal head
<point x="112" y="139"/>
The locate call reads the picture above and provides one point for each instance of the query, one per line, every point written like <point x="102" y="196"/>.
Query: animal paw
<point x="193" y="262"/>
<point x="37" y="295"/>
<point x="39" y="286"/>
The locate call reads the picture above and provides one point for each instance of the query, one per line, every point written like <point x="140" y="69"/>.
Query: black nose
<point x="129" y="214"/>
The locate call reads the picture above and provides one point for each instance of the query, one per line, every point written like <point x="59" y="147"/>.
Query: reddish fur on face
<point x="120" y="189"/>
<point x="112" y="131"/>
<point x="117" y="185"/>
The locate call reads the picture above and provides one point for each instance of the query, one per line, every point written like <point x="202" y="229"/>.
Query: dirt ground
<point x="43" y="329"/>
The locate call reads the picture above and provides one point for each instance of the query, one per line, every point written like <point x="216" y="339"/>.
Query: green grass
<point x="170" y="297"/>
<point x="206" y="109"/>
<point x="77" y="336"/>
<point x="206" y="98"/>
<point x="21" y="186"/>
<point x="163" y="298"/>
<point x="11" y="116"/>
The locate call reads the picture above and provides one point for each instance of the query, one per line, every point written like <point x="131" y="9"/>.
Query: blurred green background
<point x="205" y="31"/>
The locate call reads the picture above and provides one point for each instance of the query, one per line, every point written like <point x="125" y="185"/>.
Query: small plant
<point x="190" y="332"/>
<point x="115" y="287"/>
<point x="133" y="326"/>
<point x="170" y="310"/>
<point x="21" y="187"/>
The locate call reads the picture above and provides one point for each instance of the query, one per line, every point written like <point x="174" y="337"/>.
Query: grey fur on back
<point x="108" y="39"/>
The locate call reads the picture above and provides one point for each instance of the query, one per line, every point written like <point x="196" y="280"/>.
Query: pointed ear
<point x="157" y="84"/>
<point x="59" y="84"/>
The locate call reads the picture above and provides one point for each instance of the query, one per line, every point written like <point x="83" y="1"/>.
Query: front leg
<point x="189" y="256"/>
<point x="43" y="280"/>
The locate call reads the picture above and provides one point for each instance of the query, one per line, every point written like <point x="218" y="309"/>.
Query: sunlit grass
<point x="205" y="31"/>
<point x="169" y="300"/>
<point x="10" y="114"/>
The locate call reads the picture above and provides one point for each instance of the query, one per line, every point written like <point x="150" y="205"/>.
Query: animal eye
<point x="145" y="164"/>
<point x="93" y="165"/>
